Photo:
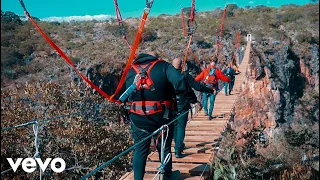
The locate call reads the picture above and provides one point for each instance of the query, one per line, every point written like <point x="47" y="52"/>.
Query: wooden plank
<point x="151" y="176"/>
<point x="202" y="133"/>
<point x="200" y="126"/>
<point x="193" y="150"/>
<point x="208" y="144"/>
<point x="188" y="158"/>
<point x="211" y="122"/>
<point x="184" y="168"/>
<point x="200" y="138"/>
<point x="217" y="128"/>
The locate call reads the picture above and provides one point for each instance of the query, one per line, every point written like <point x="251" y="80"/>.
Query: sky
<point x="102" y="9"/>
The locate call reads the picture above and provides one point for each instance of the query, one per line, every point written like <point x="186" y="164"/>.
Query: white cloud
<point x="100" y="17"/>
<point x="251" y="2"/>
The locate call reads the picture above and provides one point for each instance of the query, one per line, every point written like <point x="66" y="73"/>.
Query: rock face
<point x="277" y="114"/>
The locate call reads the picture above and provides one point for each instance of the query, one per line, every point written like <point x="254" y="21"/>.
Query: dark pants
<point x="228" y="86"/>
<point x="180" y="131"/>
<point x="212" y="98"/>
<point x="141" y="152"/>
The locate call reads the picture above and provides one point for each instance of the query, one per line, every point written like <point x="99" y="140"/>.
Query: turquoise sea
<point x="133" y="8"/>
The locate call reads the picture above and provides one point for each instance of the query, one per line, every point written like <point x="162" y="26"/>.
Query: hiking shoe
<point x="174" y="176"/>
<point x="179" y="155"/>
<point x="210" y="118"/>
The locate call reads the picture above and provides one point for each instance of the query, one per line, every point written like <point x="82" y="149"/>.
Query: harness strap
<point x="149" y="107"/>
<point x="146" y="82"/>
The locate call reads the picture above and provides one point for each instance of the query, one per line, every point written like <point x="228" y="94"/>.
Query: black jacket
<point x="229" y="72"/>
<point x="167" y="82"/>
<point x="184" y="100"/>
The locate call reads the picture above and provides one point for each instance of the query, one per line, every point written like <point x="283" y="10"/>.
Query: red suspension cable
<point x="120" y="22"/>
<point x="66" y="58"/>
<point x="222" y="22"/>
<point x="237" y="46"/>
<point x="193" y="8"/>
<point x="183" y="23"/>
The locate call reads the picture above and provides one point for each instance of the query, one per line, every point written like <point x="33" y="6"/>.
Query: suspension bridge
<point x="202" y="136"/>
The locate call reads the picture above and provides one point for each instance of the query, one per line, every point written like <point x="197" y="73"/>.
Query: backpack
<point x="229" y="72"/>
<point x="211" y="77"/>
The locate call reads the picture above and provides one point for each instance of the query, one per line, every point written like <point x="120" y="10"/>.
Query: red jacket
<point x="203" y="76"/>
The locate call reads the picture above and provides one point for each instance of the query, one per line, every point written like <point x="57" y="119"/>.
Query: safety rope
<point x="202" y="173"/>
<point x="165" y="129"/>
<point x="164" y="160"/>
<point x="129" y="62"/>
<point x="120" y="22"/>
<point x="38" y="121"/>
<point x="36" y="143"/>
<point x="3" y="172"/>
<point x="132" y="147"/>
<point x="161" y="168"/>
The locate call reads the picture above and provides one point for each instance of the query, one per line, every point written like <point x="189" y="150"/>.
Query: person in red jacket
<point x="210" y="77"/>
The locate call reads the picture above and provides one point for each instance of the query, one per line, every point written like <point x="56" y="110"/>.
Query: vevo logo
<point x="29" y="164"/>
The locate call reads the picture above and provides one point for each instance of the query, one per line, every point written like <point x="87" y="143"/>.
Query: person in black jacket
<point x="183" y="104"/>
<point x="230" y="72"/>
<point x="150" y="107"/>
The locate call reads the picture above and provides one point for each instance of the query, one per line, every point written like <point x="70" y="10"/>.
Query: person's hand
<point x="214" y="91"/>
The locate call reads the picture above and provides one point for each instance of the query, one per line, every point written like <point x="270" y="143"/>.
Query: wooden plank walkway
<point x="202" y="136"/>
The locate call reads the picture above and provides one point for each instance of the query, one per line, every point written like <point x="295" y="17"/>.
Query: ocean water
<point x="133" y="8"/>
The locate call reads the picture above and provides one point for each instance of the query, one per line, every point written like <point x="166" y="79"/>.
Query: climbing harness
<point x="141" y="81"/>
<point x="149" y="107"/>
